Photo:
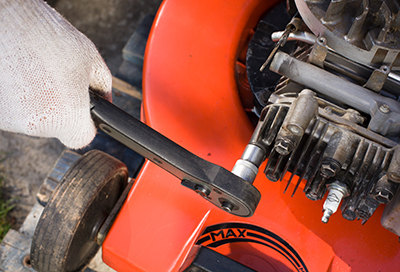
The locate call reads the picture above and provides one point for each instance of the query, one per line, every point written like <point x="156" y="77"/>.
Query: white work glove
<point x="46" y="68"/>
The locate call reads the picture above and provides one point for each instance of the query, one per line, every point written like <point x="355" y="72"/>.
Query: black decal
<point x="235" y="240"/>
<point x="230" y="233"/>
<point x="241" y="233"/>
<point x="270" y="239"/>
<point x="203" y="240"/>
<point x="213" y="235"/>
<point x="275" y="244"/>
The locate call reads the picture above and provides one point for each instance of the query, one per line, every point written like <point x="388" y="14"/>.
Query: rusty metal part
<point x="341" y="90"/>
<point x="301" y="36"/>
<point x="384" y="190"/>
<point x="377" y="79"/>
<point x="347" y="67"/>
<point x="303" y="109"/>
<point x="345" y="139"/>
<point x="291" y="27"/>
<point x="333" y="148"/>
<point x="337" y="152"/>
<point x="319" y="52"/>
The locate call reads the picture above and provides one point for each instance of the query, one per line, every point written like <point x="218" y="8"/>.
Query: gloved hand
<point x="46" y="68"/>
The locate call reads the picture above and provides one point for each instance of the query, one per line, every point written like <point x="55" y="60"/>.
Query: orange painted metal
<point x="190" y="95"/>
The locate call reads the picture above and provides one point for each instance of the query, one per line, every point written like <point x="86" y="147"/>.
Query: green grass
<point x="5" y="208"/>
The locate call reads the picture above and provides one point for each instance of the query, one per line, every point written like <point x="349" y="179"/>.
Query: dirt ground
<point x="26" y="161"/>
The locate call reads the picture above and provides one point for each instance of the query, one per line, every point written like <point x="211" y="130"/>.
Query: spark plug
<point x="336" y="193"/>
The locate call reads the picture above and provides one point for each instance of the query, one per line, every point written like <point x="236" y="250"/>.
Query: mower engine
<point x="331" y="118"/>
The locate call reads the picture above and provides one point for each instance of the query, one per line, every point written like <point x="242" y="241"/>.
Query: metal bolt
<point x="321" y="41"/>
<point x="329" y="169"/>
<point x="384" y="108"/>
<point x="227" y="206"/>
<point x="283" y="146"/>
<point x="383" y="196"/>
<point x="328" y="110"/>
<point x="201" y="190"/>
<point x="385" y="68"/>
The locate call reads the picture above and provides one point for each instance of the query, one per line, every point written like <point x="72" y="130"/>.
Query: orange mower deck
<point x="191" y="96"/>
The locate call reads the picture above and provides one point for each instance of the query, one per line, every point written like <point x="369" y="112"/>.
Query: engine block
<point x="323" y="145"/>
<point x="332" y="122"/>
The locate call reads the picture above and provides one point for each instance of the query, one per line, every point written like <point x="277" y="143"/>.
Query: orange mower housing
<point x="195" y="93"/>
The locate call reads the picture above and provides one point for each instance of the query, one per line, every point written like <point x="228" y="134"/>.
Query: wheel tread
<point x="59" y="218"/>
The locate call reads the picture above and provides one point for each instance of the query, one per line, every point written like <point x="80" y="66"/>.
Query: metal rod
<point x="322" y="81"/>
<point x="301" y="36"/>
<point x="341" y="90"/>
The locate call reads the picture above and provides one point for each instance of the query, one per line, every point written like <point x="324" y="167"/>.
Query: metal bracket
<point x="214" y="183"/>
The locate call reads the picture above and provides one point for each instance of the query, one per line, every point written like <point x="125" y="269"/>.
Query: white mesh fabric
<point x="46" y="68"/>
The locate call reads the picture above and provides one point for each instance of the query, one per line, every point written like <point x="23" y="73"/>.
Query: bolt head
<point x="283" y="146"/>
<point x="384" y="108"/>
<point x="329" y="169"/>
<point x="383" y="196"/>
<point x="328" y="110"/>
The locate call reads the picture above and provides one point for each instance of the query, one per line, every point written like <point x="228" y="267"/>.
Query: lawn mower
<point x="271" y="134"/>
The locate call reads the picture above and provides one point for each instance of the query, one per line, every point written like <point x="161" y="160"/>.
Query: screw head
<point x="384" y="108"/>
<point x="328" y="110"/>
<point x="321" y="40"/>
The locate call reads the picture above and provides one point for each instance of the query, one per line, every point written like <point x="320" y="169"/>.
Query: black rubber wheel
<point x="65" y="237"/>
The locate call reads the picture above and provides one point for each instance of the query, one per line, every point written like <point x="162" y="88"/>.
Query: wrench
<point x="214" y="183"/>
